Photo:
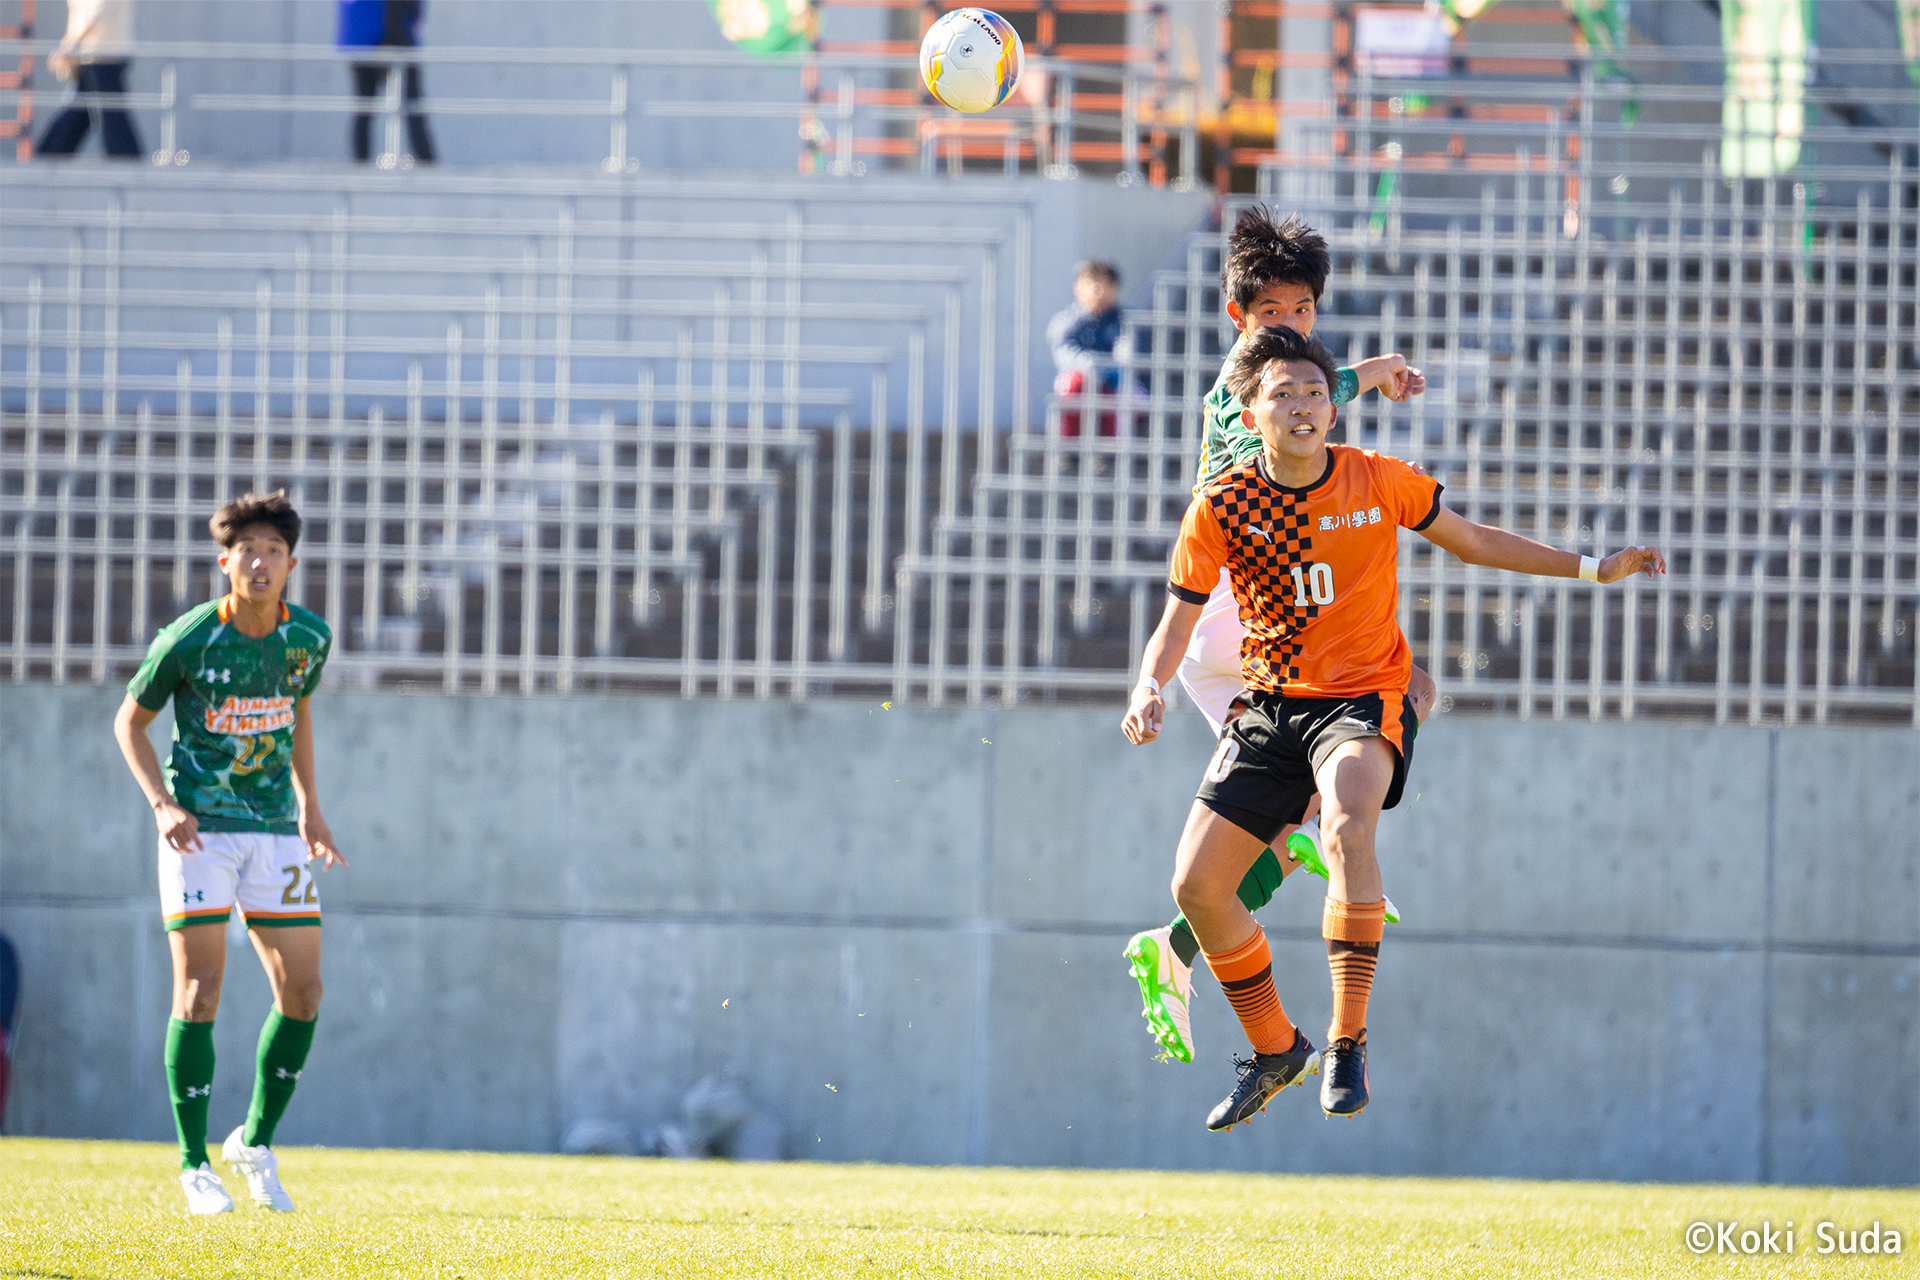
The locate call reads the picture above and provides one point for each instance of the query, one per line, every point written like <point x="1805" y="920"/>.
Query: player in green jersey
<point x="239" y="825"/>
<point x="1274" y="276"/>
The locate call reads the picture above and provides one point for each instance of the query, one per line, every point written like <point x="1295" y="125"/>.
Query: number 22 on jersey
<point x="1313" y="586"/>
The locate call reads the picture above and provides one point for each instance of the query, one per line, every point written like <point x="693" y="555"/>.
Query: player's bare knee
<point x="1193" y="893"/>
<point x="197" y="997"/>
<point x="1182" y="890"/>
<point x="1346" y="840"/>
<point x="300" y="999"/>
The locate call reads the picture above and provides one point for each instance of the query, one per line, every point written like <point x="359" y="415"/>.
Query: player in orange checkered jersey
<point x="1308" y="533"/>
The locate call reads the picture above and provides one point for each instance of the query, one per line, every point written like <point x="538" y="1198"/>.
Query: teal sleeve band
<point x="1346" y="386"/>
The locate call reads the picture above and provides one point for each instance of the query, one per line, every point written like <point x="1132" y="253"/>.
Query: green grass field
<point x="100" y="1209"/>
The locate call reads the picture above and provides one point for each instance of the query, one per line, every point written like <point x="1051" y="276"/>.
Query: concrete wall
<point x="1630" y="952"/>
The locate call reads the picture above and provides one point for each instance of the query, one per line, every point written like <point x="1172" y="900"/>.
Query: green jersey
<point x="233" y="698"/>
<point x="1227" y="443"/>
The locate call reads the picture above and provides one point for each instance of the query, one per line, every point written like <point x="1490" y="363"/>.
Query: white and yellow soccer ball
<point x="971" y="59"/>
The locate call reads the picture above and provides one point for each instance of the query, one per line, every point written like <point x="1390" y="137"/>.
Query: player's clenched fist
<point x="1624" y="564"/>
<point x="1144" y="714"/>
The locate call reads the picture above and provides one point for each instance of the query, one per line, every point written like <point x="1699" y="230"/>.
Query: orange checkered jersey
<point x="1313" y="569"/>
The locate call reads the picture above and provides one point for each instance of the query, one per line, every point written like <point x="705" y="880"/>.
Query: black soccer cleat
<point x="1262" y="1076"/>
<point x="1343" y="1086"/>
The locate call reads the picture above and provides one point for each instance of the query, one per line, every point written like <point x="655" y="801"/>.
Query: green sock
<point x="190" y="1083"/>
<point x="1185" y="945"/>
<point x="1256" y="891"/>
<point x="284" y="1043"/>
<point x="1262" y="879"/>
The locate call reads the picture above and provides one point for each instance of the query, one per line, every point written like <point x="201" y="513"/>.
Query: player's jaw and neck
<point x="256" y="566"/>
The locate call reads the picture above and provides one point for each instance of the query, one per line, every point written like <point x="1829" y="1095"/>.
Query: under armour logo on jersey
<point x="285" y="1074"/>
<point x="199" y="1091"/>
<point x="1254" y="528"/>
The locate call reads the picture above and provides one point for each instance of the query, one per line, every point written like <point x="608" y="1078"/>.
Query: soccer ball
<point x="971" y="59"/>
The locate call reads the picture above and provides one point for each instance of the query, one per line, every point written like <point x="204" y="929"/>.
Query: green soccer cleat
<point x="1166" y="989"/>
<point x="1303" y="847"/>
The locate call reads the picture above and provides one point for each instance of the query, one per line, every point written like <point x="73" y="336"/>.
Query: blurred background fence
<point x="588" y="428"/>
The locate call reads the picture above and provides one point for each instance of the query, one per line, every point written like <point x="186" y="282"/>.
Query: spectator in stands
<point x="1088" y="338"/>
<point x="94" y="53"/>
<point x="385" y="24"/>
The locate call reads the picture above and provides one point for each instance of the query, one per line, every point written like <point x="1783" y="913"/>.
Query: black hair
<point x="1098" y="267"/>
<point x="1266" y="345"/>
<point x="1263" y="252"/>
<point x="250" y="509"/>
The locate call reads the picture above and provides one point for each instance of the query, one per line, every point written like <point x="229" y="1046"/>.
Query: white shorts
<point x="266" y="875"/>
<point x="1210" y="671"/>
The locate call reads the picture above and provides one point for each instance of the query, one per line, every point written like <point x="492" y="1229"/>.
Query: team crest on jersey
<point x="298" y="661"/>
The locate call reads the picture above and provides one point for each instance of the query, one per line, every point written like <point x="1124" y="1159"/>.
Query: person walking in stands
<point x="384" y="24"/>
<point x="94" y="54"/>
<point x="1088" y="338"/>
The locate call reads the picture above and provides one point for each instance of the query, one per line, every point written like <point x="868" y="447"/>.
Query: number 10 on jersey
<point x="1312" y="584"/>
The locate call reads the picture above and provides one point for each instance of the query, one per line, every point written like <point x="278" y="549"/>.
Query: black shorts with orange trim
<point x="1262" y="774"/>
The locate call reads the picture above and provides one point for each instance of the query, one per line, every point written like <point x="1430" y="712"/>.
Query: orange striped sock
<point x="1352" y="931"/>
<point x="1246" y="975"/>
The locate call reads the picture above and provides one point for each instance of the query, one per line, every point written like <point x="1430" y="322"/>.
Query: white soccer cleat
<point x="261" y="1168"/>
<point x="1166" y="990"/>
<point x="205" y="1194"/>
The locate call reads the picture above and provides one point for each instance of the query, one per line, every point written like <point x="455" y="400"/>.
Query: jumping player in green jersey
<point x="1274" y="276"/>
<point x="239" y="825"/>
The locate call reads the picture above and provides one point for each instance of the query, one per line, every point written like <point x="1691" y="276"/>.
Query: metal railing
<point x="576" y="441"/>
<point x="544" y="448"/>
<point x="1132" y="119"/>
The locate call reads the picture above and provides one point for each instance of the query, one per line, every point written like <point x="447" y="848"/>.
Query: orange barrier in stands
<point x="910" y="49"/>
<point x="1244" y="126"/>
<point x="20" y="127"/>
<point x="1244" y="116"/>
<point x="1131" y="103"/>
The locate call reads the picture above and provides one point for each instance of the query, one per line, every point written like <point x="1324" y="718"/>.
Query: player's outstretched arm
<point x="180" y="829"/>
<point x="1391" y="376"/>
<point x="313" y="827"/>
<point x="1148" y="706"/>
<point x="1497" y="549"/>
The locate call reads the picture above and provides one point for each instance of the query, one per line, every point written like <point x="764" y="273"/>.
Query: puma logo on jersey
<point x="1254" y="528"/>
<point x="1357" y="723"/>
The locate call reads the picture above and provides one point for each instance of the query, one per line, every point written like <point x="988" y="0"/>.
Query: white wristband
<point x="1589" y="569"/>
<point x="1151" y="683"/>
